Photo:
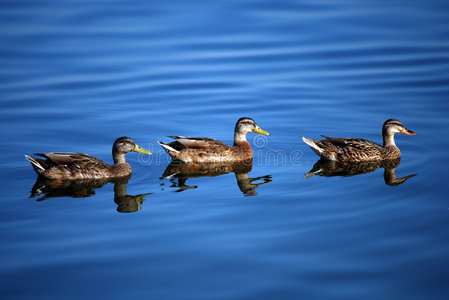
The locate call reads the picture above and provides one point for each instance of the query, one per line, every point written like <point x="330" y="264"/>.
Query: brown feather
<point x="359" y="150"/>
<point x="61" y="165"/>
<point x="207" y="150"/>
<point x="348" y="149"/>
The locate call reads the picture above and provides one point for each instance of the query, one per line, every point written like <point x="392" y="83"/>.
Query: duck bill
<point x="139" y="149"/>
<point x="409" y="132"/>
<point x="259" y="130"/>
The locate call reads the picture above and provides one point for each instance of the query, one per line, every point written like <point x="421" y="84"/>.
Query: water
<point x="76" y="75"/>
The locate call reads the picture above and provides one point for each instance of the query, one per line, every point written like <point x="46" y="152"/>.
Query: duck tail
<point x="312" y="144"/>
<point x="167" y="147"/>
<point x="36" y="164"/>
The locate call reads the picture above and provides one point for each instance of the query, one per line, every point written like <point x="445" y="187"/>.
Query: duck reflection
<point x="333" y="168"/>
<point x="53" y="188"/>
<point x="178" y="172"/>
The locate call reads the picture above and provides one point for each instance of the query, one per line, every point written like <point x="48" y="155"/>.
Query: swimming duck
<point x="354" y="150"/>
<point x="83" y="166"/>
<point x="201" y="150"/>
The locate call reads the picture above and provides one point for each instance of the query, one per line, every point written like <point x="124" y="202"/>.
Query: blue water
<point x="75" y="75"/>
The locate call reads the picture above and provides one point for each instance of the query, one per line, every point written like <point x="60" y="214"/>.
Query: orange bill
<point x="409" y="132"/>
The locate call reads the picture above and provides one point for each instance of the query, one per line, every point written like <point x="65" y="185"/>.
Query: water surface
<point x="76" y="75"/>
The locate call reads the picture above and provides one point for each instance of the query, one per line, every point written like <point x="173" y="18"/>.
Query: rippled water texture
<point x="76" y="75"/>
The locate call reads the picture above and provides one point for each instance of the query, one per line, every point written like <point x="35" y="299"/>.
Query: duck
<point x="62" y="166"/>
<point x="358" y="150"/>
<point x="206" y="150"/>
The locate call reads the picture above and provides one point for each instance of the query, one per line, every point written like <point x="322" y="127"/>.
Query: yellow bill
<point x="259" y="130"/>
<point x="139" y="149"/>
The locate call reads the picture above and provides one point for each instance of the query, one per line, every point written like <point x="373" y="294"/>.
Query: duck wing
<point x="359" y="144"/>
<point x="199" y="142"/>
<point x="55" y="159"/>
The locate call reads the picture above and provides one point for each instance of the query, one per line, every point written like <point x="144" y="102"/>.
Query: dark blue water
<point x="75" y="75"/>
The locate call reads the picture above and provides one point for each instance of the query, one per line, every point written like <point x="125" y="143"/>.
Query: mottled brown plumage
<point x="357" y="150"/>
<point x="201" y="149"/>
<point x="59" y="165"/>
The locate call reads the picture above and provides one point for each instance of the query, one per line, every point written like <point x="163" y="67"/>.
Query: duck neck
<point x="119" y="158"/>
<point x="239" y="138"/>
<point x="388" y="139"/>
